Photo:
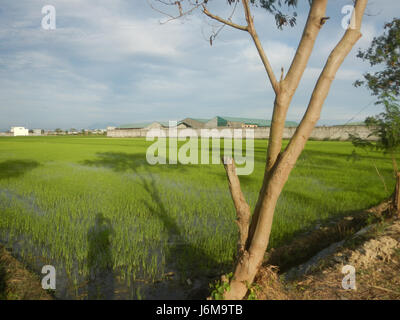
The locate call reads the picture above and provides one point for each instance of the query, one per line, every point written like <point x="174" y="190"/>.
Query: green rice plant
<point x="162" y="218"/>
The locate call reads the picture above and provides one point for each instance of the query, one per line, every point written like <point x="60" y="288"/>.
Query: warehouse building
<point x="19" y="131"/>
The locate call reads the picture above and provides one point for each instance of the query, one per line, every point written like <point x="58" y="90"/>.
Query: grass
<point x="91" y="204"/>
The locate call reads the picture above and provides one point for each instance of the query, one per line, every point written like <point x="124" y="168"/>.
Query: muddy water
<point x="105" y="284"/>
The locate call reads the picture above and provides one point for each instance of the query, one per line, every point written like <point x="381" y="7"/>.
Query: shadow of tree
<point x="120" y="162"/>
<point x="16" y="168"/>
<point x="181" y="254"/>
<point x="99" y="259"/>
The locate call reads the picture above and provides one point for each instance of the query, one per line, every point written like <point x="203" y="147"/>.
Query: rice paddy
<point x="94" y="208"/>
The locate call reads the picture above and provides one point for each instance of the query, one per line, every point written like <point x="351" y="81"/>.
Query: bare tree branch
<point x="260" y="49"/>
<point x="293" y="77"/>
<point x="224" y="21"/>
<point x="241" y="206"/>
<point x="326" y="78"/>
<point x="249" y="28"/>
<point x="306" y="45"/>
<point x="282" y="101"/>
<point x="178" y="4"/>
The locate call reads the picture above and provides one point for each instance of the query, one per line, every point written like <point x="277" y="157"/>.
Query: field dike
<point x="17" y="282"/>
<point x="373" y="251"/>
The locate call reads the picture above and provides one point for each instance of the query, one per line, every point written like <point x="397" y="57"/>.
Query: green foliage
<point x="163" y="217"/>
<point x="384" y="51"/>
<point x="283" y="10"/>
<point x="252" y="291"/>
<point x="219" y="288"/>
<point x="275" y="7"/>
<point x="396" y="252"/>
<point x="385" y="126"/>
<point x="359" y="143"/>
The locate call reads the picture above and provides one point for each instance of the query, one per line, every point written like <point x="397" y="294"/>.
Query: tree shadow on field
<point x="99" y="259"/>
<point x="16" y="168"/>
<point x="121" y="162"/>
<point x="181" y="255"/>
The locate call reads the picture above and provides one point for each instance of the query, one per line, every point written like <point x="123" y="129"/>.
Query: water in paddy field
<point x="104" y="284"/>
<point x="158" y="232"/>
<point x="101" y="282"/>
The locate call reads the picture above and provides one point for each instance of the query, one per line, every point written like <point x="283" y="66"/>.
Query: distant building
<point x="19" y="131"/>
<point x="37" y="132"/>
<point x="233" y="122"/>
<point x="216" y="122"/>
<point x="50" y="133"/>
<point x="150" y="125"/>
<point x="194" y="123"/>
<point x="260" y="128"/>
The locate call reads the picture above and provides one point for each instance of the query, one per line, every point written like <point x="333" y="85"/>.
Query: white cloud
<point x="278" y="53"/>
<point x="111" y="59"/>
<point x="110" y="41"/>
<point x="368" y="33"/>
<point x="312" y="73"/>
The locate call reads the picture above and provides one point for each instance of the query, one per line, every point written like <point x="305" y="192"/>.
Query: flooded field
<point x="115" y="227"/>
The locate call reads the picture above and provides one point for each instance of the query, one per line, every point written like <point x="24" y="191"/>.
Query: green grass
<point x="92" y="203"/>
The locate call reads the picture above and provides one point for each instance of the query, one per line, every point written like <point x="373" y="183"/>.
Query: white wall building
<point x="19" y="131"/>
<point x="37" y="132"/>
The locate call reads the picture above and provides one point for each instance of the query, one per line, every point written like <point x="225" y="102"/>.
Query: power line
<point x="363" y="109"/>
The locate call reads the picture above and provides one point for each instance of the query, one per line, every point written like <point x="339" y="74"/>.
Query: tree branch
<point x="227" y="22"/>
<point x="306" y="45"/>
<point x="260" y="49"/>
<point x="282" y="101"/>
<point x="241" y="206"/>
<point x="261" y="223"/>
<point x="325" y="80"/>
<point x="293" y="77"/>
<point x="182" y="12"/>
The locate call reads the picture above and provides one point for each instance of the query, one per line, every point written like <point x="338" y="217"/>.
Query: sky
<point x="117" y="62"/>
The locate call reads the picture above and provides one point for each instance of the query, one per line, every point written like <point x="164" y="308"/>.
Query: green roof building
<point x="216" y="122"/>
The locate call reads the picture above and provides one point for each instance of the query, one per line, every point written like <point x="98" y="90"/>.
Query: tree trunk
<point x="250" y="260"/>
<point x="279" y="164"/>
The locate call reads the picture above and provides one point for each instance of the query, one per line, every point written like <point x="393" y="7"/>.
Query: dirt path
<point x="16" y="282"/>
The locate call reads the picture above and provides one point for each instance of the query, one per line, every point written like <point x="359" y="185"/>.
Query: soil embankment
<point x="373" y="252"/>
<point x="17" y="282"/>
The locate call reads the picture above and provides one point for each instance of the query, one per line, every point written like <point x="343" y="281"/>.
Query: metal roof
<point x="221" y="121"/>
<point x="258" y="122"/>
<point x="135" y="125"/>
<point x="199" y="120"/>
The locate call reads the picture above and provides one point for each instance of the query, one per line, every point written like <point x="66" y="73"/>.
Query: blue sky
<point x="112" y="61"/>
